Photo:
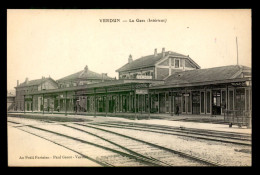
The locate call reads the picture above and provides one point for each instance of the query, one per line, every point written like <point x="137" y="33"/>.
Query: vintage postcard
<point x="129" y="87"/>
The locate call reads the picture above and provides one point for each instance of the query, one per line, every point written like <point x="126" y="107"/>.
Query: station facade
<point x="166" y="82"/>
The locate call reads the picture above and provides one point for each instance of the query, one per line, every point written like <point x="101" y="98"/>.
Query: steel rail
<point x="181" y="130"/>
<point x="184" y="135"/>
<point x="193" y="129"/>
<point x="137" y="158"/>
<point x="83" y="155"/>
<point x="198" y="159"/>
<point x="131" y="151"/>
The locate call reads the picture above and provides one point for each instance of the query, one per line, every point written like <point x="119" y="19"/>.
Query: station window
<point x="177" y="63"/>
<point x="183" y="104"/>
<point x="231" y="96"/>
<point x="172" y="61"/>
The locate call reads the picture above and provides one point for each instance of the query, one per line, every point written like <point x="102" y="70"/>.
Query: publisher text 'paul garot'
<point x="132" y="20"/>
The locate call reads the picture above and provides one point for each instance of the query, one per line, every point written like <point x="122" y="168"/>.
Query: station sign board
<point x="144" y="77"/>
<point x="141" y="91"/>
<point x="240" y="84"/>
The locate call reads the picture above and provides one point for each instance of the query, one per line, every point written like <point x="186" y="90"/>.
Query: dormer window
<point x="177" y="63"/>
<point x="152" y="74"/>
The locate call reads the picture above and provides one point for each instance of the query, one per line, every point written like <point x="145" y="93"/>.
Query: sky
<point x="58" y="43"/>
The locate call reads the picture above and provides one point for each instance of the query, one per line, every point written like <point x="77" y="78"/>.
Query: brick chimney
<point x="17" y="82"/>
<point x="103" y="75"/>
<point x="163" y="52"/>
<point x="130" y="59"/>
<point x="86" y="68"/>
<point x="26" y="80"/>
<point x="155" y="52"/>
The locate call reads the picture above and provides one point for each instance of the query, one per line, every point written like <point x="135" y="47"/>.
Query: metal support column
<point x="121" y="103"/>
<point x="171" y="107"/>
<point x="158" y="103"/>
<point x="115" y="104"/>
<point x="106" y="102"/>
<point x="227" y="99"/>
<point x="142" y="101"/>
<point x="138" y="100"/>
<point x="32" y="103"/>
<point x="149" y="107"/>
<point x="66" y="103"/>
<point x="59" y="105"/>
<point x="86" y="104"/>
<point x="43" y="104"/>
<point x="24" y="103"/>
<point x="135" y="103"/>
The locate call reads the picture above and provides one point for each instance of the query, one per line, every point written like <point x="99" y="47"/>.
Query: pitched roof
<point x="101" y="85"/>
<point x="150" y="60"/>
<point x="85" y="74"/>
<point x="34" y="82"/>
<point x="210" y="74"/>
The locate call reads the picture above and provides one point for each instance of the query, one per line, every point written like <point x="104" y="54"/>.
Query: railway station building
<point x="159" y="83"/>
<point x="23" y="101"/>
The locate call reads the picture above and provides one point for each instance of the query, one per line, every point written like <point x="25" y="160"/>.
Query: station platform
<point x="206" y="122"/>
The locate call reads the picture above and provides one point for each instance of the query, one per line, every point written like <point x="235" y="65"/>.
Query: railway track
<point x="110" y="157"/>
<point x="212" y="135"/>
<point x="116" y="149"/>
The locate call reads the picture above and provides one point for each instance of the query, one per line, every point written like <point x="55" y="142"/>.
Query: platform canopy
<point x="107" y="86"/>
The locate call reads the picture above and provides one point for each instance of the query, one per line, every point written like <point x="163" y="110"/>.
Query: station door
<point x="216" y="106"/>
<point x="162" y="102"/>
<point x="196" y="102"/>
<point x="177" y="102"/>
<point x="240" y="99"/>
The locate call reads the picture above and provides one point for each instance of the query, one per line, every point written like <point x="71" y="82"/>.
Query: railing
<point x="238" y="117"/>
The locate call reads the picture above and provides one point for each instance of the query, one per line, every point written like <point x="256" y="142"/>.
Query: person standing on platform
<point x="58" y="108"/>
<point x="76" y="109"/>
<point x="177" y="110"/>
